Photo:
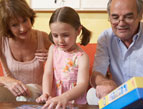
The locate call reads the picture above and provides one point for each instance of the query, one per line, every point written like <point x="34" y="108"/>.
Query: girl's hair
<point x="10" y="9"/>
<point x="70" y="16"/>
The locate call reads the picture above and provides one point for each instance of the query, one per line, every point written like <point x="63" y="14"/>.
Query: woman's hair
<point x="10" y="9"/>
<point x="70" y="16"/>
<point x="139" y="6"/>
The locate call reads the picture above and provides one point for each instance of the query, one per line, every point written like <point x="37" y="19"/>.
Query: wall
<point x="96" y="22"/>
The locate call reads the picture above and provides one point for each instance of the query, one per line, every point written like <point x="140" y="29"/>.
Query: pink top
<point x="27" y="72"/>
<point x="65" y="72"/>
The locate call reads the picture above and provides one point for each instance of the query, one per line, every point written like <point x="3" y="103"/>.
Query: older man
<point x="119" y="48"/>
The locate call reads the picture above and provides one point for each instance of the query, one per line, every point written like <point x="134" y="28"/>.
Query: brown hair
<point x="12" y="9"/>
<point x="70" y="16"/>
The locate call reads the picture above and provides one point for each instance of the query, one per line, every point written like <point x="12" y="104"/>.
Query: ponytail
<point x="85" y="36"/>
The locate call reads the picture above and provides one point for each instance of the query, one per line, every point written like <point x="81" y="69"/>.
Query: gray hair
<point x="139" y="6"/>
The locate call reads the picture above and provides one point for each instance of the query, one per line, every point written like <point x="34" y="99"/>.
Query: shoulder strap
<point x="40" y="40"/>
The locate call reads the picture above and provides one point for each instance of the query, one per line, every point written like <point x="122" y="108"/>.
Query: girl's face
<point x="20" y="27"/>
<point x="64" y="35"/>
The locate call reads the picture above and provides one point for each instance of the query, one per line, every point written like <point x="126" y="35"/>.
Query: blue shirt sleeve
<point x="101" y="60"/>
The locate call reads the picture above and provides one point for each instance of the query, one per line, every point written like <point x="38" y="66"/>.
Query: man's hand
<point x="104" y="88"/>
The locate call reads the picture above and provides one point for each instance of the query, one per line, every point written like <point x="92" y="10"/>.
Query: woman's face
<point x="20" y="27"/>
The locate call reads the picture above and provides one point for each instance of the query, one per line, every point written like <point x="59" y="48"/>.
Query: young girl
<point x="66" y="73"/>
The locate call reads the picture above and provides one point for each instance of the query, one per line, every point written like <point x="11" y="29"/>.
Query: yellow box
<point x="133" y="83"/>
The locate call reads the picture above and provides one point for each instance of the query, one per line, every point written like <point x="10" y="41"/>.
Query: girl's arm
<point x="47" y="78"/>
<point x="78" y="90"/>
<point x="48" y="73"/>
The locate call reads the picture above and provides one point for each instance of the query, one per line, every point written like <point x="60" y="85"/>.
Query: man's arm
<point x="102" y="84"/>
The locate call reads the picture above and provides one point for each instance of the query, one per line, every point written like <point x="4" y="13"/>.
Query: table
<point x="15" y="105"/>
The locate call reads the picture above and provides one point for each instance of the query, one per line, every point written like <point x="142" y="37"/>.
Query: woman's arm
<point x="15" y="86"/>
<point x="42" y="53"/>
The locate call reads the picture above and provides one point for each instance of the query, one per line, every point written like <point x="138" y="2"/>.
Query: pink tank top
<point x="65" y="72"/>
<point x="27" y="72"/>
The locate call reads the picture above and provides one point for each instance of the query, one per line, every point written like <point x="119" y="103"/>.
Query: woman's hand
<point x="16" y="87"/>
<point x="43" y="98"/>
<point x="56" y="103"/>
<point x="41" y="55"/>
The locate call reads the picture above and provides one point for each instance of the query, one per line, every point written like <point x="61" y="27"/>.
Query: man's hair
<point x="139" y="7"/>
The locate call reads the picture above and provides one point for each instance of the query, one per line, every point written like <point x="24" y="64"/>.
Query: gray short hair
<point x="139" y="6"/>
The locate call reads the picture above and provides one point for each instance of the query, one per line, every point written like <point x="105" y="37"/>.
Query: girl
<point x="66" y="73"/>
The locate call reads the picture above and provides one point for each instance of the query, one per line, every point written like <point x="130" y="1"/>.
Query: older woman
<point x="23" y="52"/>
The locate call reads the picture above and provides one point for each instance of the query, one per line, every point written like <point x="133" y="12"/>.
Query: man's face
<point x="124" y="18"/>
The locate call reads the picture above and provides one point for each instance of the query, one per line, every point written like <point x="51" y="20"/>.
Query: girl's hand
<point x="41" y="55"/>
<point x="56" y="103"/>
<point x="43" y="98"/>
<point x="16" y="87"/>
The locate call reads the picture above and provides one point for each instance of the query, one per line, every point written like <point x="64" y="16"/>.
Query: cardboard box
<point x="128" y="95"/>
